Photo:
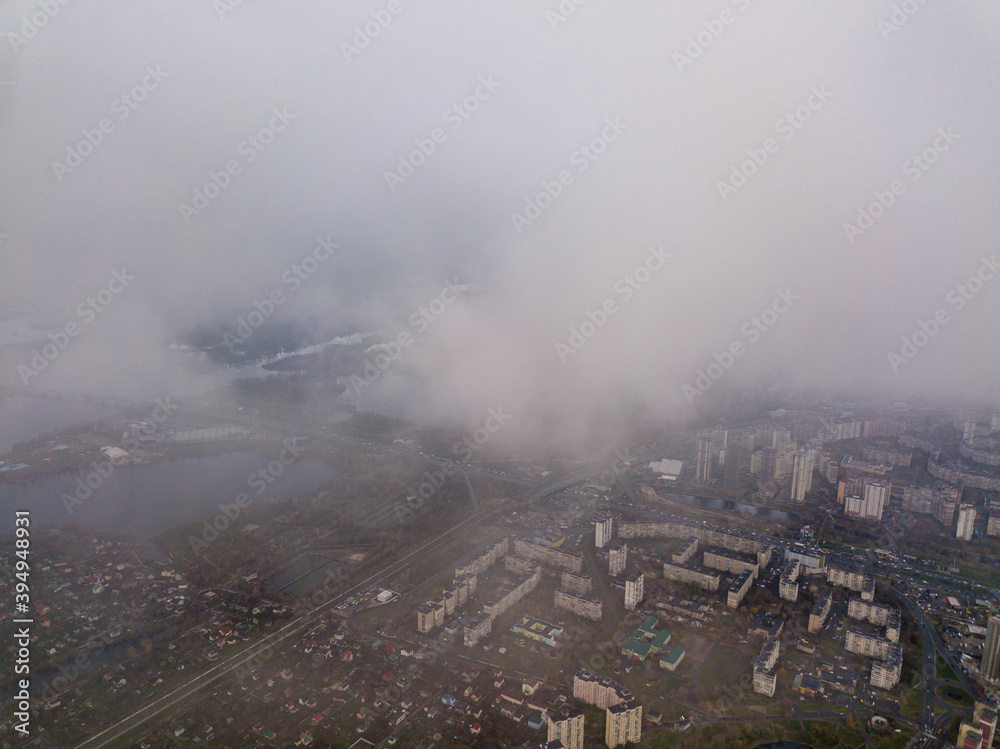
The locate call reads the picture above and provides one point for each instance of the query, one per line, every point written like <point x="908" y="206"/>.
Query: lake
<point x="142" y="500"/>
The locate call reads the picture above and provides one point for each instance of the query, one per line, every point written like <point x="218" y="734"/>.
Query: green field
<point x="954" y="696"/>
<point x="911" y="702"/>
<point x="720" y="666"/>
<point x="942" y="670"/>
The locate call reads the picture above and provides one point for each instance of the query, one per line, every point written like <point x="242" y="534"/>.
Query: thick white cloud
<point x="751" y="92"/>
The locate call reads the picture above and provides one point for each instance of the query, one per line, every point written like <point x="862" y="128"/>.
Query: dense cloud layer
<point x="533" y="151"/>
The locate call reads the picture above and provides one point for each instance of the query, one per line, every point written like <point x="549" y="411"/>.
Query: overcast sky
<point x="741" y="138"/>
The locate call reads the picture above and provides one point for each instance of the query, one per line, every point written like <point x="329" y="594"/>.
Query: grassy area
<point x="954" y="696"/>
<point x="911" y="701"/>
<point x="891" y="740"/>
<point x="819" y="705"/>
<point x="798" y="657"/>
<point x="746" y="735"/>
<point x="719" y="667"/>
<point x="829" y="736"/>
<point x="978" y="573"/>
<point x="942" y="670"/>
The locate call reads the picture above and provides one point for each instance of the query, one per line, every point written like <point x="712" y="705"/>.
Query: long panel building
<point x="888" y="665"/>
<point x="547" y="555"/>
<point x="691" y="575"/>
<point x="876" y="613"/>
<point x="581" y="584"/>
<point x="487" y="556"/>
<point x="730" y="563"/>
<point x="685" y="551"/>
<point x="579" y="604"/>
<point x="705" y="536"/>
<point x="846" y="578"/>
<point x="602" y="691"/>
<point x="503" y="600"/>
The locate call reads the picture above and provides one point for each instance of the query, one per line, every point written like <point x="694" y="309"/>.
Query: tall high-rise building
<point x="567" y="726"/>
<point x="623" y="723"/>
<point x="617" y="557"/>
<point x="784" y="458"/>
<point x="984" y="717"/>
<point x="966" y="522"/>
<point x="734" y="456"/>
<point x="720" y="438"/>
<point x="767" y="465"/>
<point x="854" y="506"/>
<point x="849" y="484"/>
<point x="944" y="509"/>
<point x="876" y="497"/>
<point x="634" y="589"/>
<point x="969" y="737"/>
<point x="602" y="532"/>
<point x="991" y="650"/>
<point x="968" y="431"/>
<point x="704" y="458"/>
<point x="802" y="473"/>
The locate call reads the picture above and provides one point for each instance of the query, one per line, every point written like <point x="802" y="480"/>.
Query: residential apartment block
<point x="739" y="588"/>
<point x="623" y="723"/>
<point x="547" y="555"/>
<point x="581" y="584"/>
<point x="819" y="612"/>
<point x="581" y="605"/>
<point x="601" y="691"/>
<point x="691" y="576"/>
